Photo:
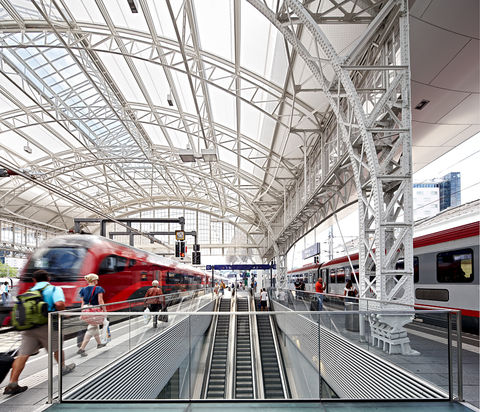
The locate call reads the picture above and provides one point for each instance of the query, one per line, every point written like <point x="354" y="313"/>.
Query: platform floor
<point x="359" y="406"/>
<point x="431" y="367"/>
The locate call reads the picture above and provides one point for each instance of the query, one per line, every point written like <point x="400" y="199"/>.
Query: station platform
<point x="430" y="366"/>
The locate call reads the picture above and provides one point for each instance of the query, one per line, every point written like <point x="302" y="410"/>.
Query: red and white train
<point x="124" y="272"/>
<point x="446" y="272"/>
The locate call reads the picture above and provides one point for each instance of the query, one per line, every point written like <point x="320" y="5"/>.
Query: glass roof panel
<point x="4" y="15"/>
<point x="41" y="136"/>
<point x="62" y="132"/>
<point x="122" y="16"/>
<point x="27" y="10"/>
<point x="85" y="11"/>
<point x="227" y="156"/>
<point x="258" y="39"/>
<point x="5" y="103"/>
<point x="153" y="76"/>
<point x="118" y="69"/>
<point x="161" y="19"/>
<point x="33" y="192"/>
<point x="223" y="109"/>
<point x="216" y="28"/>
<point x="16" y="143"/>
<point x="155" y="133"/>
<point x="267" y="126"/>
<point x="250" y="121"/>
<point x="279" y="60"/>
<point x="178" y="138"/>
<point x="185" y="94"/>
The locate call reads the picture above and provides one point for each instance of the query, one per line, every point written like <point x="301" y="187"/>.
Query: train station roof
<point x="113" y="107"/>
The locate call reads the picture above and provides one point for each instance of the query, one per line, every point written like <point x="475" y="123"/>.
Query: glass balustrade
<point x="348" y="350"/>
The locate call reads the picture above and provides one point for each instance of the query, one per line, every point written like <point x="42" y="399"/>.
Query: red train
<point x="446" y="272"/>
<point x="125" y="272"/>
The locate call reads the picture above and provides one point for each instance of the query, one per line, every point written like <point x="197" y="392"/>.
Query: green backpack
<point x="30" y="310"/>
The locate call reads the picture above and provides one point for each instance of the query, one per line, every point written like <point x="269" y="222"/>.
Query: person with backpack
<point x="92" y="295"/>
<point x="36" y="337"/>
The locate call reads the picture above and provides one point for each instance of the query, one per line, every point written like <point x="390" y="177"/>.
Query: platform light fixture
<point x="422" y="104"/>
<point x="209" y="155"/>
<point x="187" y="155"/>
<point x="133" y="6"/>
<point x="169" y="99"/>
<point x="27" y="148"/>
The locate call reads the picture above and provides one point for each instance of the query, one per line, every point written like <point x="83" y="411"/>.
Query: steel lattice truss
<point x="326" y="124"/>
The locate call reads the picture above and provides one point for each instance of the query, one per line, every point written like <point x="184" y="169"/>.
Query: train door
<point x="156" y="273"/>
<point x="323" y="273"/>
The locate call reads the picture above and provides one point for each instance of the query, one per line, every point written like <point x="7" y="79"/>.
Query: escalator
<point x="218" y="365"/>
<point x="244" y="384"/>
<point x="272" y="377"/>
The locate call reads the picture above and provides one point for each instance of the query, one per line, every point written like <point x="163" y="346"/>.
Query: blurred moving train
<point x="124" y="272"/>
<point x="446" y="272"/>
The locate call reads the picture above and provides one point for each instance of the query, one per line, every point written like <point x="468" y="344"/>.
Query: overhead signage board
<point x="240" y="267"/>
<point x="311" y="251"/>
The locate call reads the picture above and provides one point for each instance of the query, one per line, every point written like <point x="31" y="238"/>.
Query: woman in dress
<point x="92" y="295"/>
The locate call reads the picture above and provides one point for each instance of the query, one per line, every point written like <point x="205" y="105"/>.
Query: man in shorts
<point x="34" y="339"/>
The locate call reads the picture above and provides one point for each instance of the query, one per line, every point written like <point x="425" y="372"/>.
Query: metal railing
<point x="142" y="363"/>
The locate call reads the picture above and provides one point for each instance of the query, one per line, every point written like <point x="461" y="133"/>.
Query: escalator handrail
<point x="277" y="353"/>
<point x="210" y="356"/>
<point x="253" y="324"/>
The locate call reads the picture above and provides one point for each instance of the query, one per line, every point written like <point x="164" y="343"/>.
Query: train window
<point x="132" y="262"/>
<point x="332" y="276"/>
<point x="107" y="265"/>
<point x="112" y="264"/>
<point x="62" y="263"/>
<point x="174" y="278"/>
<point x="441" y="295"/>
<point x="416" y="270"/>
<point x="341" y="275"/>
<point x="455" y="266"/>
<point x="121" y="263"/>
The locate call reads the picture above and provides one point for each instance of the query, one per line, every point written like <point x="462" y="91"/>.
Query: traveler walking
<point x="319" y="288"/>
<point x="92" y="295"/>
<point x="36" y="338"/>
<point x="154" y="300"/>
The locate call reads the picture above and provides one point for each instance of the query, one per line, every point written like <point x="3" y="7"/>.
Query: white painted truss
<point x="321" y="121"/>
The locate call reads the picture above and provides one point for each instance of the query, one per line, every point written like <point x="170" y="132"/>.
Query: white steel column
<point x="370" y="96"/>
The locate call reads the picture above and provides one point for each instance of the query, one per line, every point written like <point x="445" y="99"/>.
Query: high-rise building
<point x="425" y="200"/>
<point x="432" y="197"/>
<point x="450" y="190"/>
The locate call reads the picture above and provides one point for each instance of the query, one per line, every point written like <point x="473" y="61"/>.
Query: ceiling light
<point x="169" y="100"/>
<point x="187" y="155"/>
<point x="27" y="148"/>
<point x="422" y="104"/>
<point x="133" y="6"/>
<point x="209" y="155"/>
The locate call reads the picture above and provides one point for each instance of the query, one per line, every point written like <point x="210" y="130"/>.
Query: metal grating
<point x="143" y="372"/>
<point x="351" y="371"/>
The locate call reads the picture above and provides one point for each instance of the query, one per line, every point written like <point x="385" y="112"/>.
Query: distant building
<point x="430" y="198"/>
<point x="425" y="200"/>
<point x="450" y="191"/>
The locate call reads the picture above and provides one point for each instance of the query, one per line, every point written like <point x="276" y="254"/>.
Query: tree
<point x="7" y="271"/>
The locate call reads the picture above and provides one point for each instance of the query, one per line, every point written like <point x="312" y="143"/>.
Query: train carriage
<point x="125" y="272"/>
<point x="446" y="272"/>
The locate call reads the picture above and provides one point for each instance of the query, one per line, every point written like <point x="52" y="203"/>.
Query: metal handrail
<point x="277" y="353"/>
<point x="167" y="296"/>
